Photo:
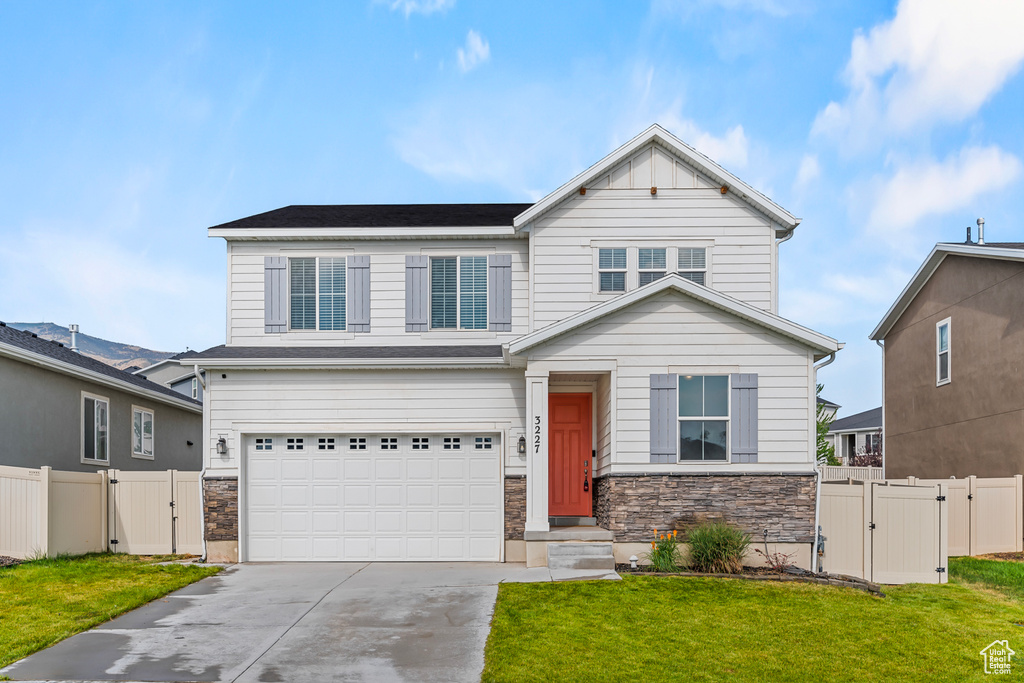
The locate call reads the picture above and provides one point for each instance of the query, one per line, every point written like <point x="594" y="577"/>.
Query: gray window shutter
<point x="417" y="293"/>
<point x="275" y="294"/>
<point x="744" y="418"/>
<point x="664" y="418"/>
<point x="499" y="292"/>
<point x="358" y="293"/>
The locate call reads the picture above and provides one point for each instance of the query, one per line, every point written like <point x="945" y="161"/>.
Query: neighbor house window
<point x="611" y="270"/>
<point x="317" y="293"/>
<point x="458" y="293"/>
<point x="703" y="418"/>
<point x="693" y="264"/>
<point x="942" y="352"/>
<point x="142" y="433"/>
<point x="195" y="388"/>
<point x="652" y="265"/>
<point x="95" y="426"/>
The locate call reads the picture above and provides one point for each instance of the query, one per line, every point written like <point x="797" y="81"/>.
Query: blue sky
<point x="129" y="128"/>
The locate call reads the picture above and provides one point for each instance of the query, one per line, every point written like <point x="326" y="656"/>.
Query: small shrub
<point x="718" y="548"/>
<point x="778" y="561"/>
<point x="664" y="555"/>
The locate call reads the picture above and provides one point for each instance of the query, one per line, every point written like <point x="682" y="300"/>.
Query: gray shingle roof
<point x="349" y="352"/>
<point x="382" y="216"/>
<point x="869" y="419"/>
<point x="28" y="341"/>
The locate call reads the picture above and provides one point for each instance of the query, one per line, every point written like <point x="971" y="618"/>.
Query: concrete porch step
<point x="570" y="533"/>
<point x="580" y="556"/>
<point x="572" y="521"/>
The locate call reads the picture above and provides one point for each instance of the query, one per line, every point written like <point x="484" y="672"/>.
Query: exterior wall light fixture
<point x="222" y="446"/>
<point x="521" y="446"/>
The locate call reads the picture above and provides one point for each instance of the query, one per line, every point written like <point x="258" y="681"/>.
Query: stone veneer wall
<point x="515" y="508"/>
<point x="220" y="509"/>
<point x="632" y="506"/>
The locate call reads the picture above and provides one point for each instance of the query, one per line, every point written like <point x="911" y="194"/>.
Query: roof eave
<point x="366" y="233"/>
<point x="350" y="363"/>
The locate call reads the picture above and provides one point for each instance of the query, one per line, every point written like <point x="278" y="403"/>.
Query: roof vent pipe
<point x="981" y="231"/>
<point x="73" y="329"/>
<point x="968" y="235"/>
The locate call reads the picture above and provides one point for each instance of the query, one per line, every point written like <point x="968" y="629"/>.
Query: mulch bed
<point x="769" y="574"/>
<point x="9" y="561"/>
<point x="1009" y="557"/>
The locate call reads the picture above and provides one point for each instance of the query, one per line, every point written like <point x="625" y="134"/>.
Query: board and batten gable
<point x="387" y="290"/>
<point x="619" y="210"/>
<point x="672" y="333"/>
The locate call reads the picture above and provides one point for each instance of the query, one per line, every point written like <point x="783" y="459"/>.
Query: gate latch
<point x="940" y="570"/>
<point x="941" y="499"/>
<point x="871" y="526"/>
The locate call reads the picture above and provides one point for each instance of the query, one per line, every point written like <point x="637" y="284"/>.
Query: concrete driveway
<point x="299" y="622"/>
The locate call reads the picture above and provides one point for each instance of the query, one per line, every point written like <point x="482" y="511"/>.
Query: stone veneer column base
<point x="220" y="513"/>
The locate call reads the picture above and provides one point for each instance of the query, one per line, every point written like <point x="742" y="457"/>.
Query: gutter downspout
<point x="817" y="488"/>
<point x="202" y="471"/>
<point x="882" y="346"/>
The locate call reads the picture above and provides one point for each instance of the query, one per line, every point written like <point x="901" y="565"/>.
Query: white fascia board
<point x="95" y="377"/>
<point x="711" y="297"/>
<point x="938" y="254"/>
<point x="249" y="234"/>
<point x="692" y="157"/>
<point x="349" y="363"/>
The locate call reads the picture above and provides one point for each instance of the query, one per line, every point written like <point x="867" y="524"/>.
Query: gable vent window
<point x="294" y="444"/>
<point x="421" y="443"/>
<point x="652" y="265"/>
<point x="325" y="444"/>
<point x="389" y="443"/>
<point x="264" y="444"/>
<point x="357" y="443"/>
<point x="942" y="352"/>
<point x="693" y="264"/>
<point x="452" y="443"/>
<point x="317" y="293"/>
<point x="458" y="293"/>
<point x="483" y="443"/>
<point x="611" y="270"/>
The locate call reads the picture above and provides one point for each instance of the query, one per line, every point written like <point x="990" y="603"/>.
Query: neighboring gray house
<point x="857" y="435"/>
<point x="67" y="411"/>
<point x="170" y="373"/>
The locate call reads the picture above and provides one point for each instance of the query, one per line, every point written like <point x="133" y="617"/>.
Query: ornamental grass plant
<point x="717" y="548"/>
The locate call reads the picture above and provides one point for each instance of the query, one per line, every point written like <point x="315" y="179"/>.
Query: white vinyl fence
<point x="50" y="512"/>
<point x="840" y="472"/>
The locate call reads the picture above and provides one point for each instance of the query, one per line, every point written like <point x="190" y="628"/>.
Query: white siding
<point x="672" y="333"/>
<point x="387" y="291"/>
<point x="359" y="402"/>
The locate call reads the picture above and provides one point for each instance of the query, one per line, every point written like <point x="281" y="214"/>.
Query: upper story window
<point x="611" y="269"/>
<point x="458" y="292"/>
<point x="693" y="264"/>
<point x="195" y="388"/>
<point x="652" y="265"/>
<point x="95" y="421"/>
<point x="942" y="352"/>
<point x="142" y="433"/>
<point x="703" y="418"/>
<point x="317" y="293"/>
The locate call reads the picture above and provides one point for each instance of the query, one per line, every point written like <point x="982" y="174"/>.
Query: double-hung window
<point x="703" y="418"/>
<point x="317" y="293"/>
<point x="95" y="421"/>
<point x="611" y="270"/>
<point x="942" y="352"/>
<point x="652" y="265"/>
<point x="458" y="292"/>
<point x="142" y="433"/>
<point x="693" y="264"/>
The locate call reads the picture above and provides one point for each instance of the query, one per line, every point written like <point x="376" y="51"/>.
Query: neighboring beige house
<point x="858" y="438"/>
<point x="488" y="382"/>
<point x="954" y="365"/>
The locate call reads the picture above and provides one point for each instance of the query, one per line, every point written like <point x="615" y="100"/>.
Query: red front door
<point x="569" y="455"/>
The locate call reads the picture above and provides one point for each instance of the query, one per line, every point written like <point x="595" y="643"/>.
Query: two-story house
<point x="481" y="382"/>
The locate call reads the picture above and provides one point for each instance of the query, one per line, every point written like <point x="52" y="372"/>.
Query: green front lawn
<point x="45" y="601"/>
<point x="696" y="629"/>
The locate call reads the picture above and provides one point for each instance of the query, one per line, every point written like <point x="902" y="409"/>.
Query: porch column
<point x="537" y="451"/>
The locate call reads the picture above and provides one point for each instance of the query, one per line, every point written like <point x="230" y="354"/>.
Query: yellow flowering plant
<point x="664" y="553"/>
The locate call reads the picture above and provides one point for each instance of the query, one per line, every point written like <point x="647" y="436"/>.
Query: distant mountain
<point x="121" y="356"/>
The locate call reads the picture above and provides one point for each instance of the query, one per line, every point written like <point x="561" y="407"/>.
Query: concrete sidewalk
<point x="370" y="622"/>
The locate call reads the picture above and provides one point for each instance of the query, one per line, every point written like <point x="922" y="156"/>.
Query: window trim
<point x="672" y="249"/>
<point x="81" y="411"/>
<point x="141" y="455"/>
<point x="458" y="293"/>
<point x="706" y="418"/>
<point x="939" y="380"/>
<point x="624" y="270"/>
<point x="316" y="292"/>
<point x="705" y="270"/>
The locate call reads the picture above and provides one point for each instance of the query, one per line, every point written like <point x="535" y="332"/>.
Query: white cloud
<point x="933" y="188"/>
<point x="808" y="172"/>
<point x="476" y="52"/>
<point x="425" y="7"/>
<point x="935" y="61"/>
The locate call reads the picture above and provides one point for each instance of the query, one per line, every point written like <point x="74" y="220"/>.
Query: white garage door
<point x="355" y="498"/>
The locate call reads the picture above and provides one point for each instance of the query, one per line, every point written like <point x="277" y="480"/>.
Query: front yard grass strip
<point x="700" y="629"/>
<point x="45" y="601"/>
<point x="1004" y="577"/>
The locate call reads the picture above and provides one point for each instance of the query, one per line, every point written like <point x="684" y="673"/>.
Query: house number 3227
<point x="536" y="433"/>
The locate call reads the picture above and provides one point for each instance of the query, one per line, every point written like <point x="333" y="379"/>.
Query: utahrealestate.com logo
<point x="997" y="657"/>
